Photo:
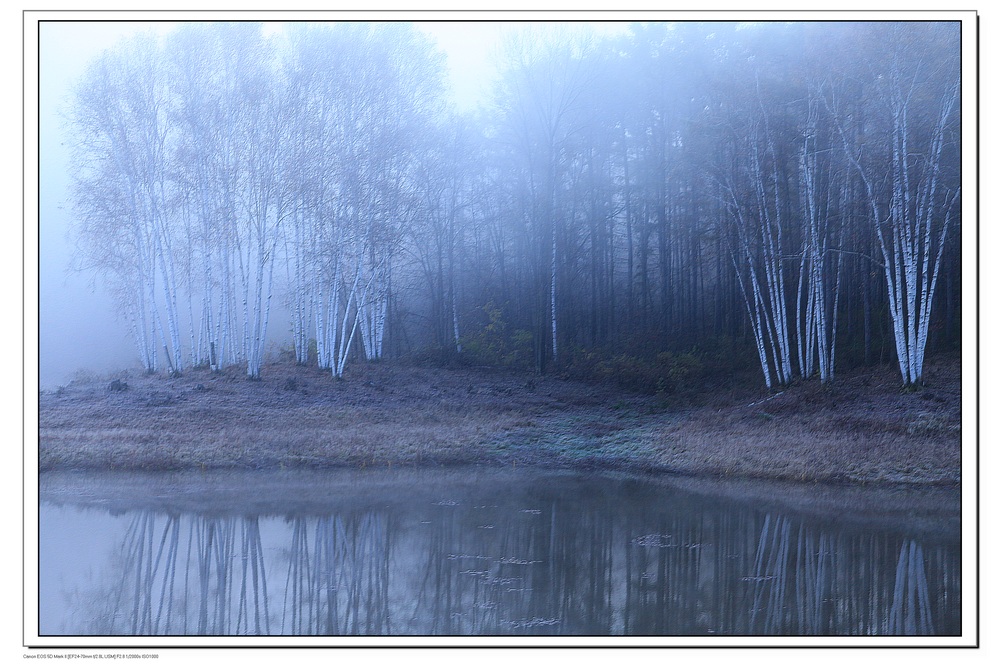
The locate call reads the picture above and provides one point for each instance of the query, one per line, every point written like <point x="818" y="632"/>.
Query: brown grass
<point x="864" y="429"/>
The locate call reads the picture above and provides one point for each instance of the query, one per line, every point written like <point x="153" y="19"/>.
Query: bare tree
<point x="907" y="163"/>
<point x="541" y="107"/>
<point x="123" y="192"/>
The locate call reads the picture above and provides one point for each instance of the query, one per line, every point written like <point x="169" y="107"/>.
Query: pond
<point x="451" y="552"/>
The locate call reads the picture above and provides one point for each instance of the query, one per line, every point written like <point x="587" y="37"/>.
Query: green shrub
<point x="495" y="345"/>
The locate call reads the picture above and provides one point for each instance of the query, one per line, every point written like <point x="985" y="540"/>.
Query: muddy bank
<point x="862" y="430"/>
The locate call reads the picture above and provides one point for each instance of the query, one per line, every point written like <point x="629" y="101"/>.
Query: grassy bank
<point x="864" y="429"/>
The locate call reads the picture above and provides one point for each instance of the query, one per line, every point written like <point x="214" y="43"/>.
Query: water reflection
<point x="545" y="555"/>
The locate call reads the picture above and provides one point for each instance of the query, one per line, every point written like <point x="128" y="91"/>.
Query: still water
<point x="473" y="552"/>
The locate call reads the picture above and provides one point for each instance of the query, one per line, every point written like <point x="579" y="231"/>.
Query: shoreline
<point x="861" y="431"/>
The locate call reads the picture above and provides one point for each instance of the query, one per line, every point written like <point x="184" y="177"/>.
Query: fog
<point x="80" y="331"/>
<point x="624" y="199"/>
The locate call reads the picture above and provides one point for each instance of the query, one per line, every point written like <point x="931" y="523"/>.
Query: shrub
<point x="493" y="345"/>
<point x="663" y="373"/>
<point x="676" y="372"/>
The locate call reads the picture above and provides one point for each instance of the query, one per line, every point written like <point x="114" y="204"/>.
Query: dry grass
<point x="863" y="430"/>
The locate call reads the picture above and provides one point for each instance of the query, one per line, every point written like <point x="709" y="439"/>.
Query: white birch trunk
<point x="555" y="331"/>
<point x="348" y="324"/>
<point x="914" y="206"/>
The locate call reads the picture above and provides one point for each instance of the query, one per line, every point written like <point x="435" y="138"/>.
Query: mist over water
<point x="469" y="552"/>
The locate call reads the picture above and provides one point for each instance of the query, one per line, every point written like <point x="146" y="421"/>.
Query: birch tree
<point x="364" y="95"/>
<point x="818" y="292"/>
<point x="907" y="161"/>
<point x="750" y="182"/>
<point x="200" y="154"/>
<point x="250" y="195"/>
<point x="399" y="125"/>
<point x="123" y="194"/>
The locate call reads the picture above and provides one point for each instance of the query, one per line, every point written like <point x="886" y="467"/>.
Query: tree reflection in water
<point x="537" y="562"/>
<point x="340" y="585"/>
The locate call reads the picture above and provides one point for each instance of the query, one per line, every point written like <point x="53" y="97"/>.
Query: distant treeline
<point x="788" y="190"/>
